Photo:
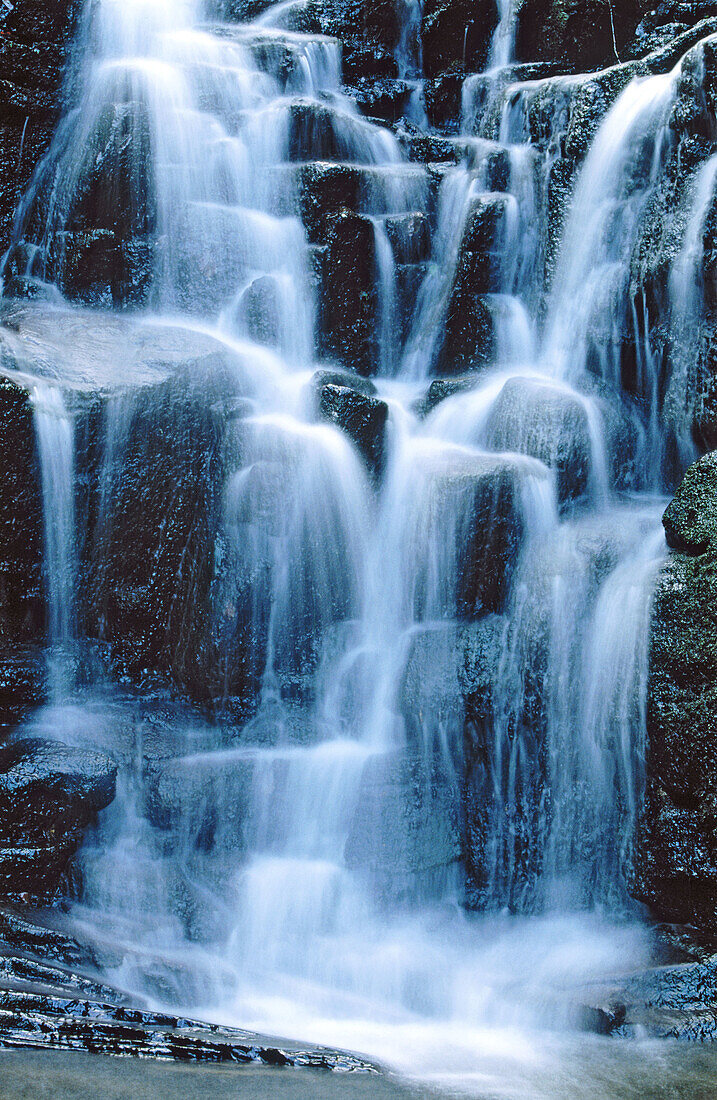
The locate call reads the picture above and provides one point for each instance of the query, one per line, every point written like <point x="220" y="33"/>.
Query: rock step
<point x="53" y="1022"/>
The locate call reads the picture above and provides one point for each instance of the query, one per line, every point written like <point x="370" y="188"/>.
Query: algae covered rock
<point x="679" y="840"/>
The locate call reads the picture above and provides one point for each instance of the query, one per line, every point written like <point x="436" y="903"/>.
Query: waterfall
<point x="687" y="301"/>
<point x="387" y="297"/>
<point x="411" y="828"/>
<point x="588" y="298"/>
<point x="54" y="431"/>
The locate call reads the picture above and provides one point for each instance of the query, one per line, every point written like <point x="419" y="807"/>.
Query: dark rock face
<point x="350" y="299"/>
<point x="688" y="406"/>
<point x="457" y="34"/>
<point x="149" y="560"/>
<point x="679" y="842"/>
<point x="33" y="47"/>
<point x="362" y="418"/>
<point x="468" y="340"/>
<point x="21" y="539"/>
<point x="486" y="493"/>
<point x="580" y="34"/>
<point x="147" y="463"/>
<point x="48" y="794"/>
<point x="23" y="684"/>
<point x="47" y="787"/>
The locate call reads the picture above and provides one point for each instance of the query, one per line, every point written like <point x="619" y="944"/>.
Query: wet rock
<point x="679" y="844"/>
<point x="362" y="418"/>
<point x="21" y="536"/>
<point x="48" y="788"/>
<point x="430" y="697"/>
<point x="318" y="132"/>
<point x="690" y="520"/>
<point x="34" y="870"/>
<point x="24" y="935"/>
<point x="560" y="116"/>
<point x="483" y="643"/>
<point x="147" y="521"/>
<point x="550" y="424"/>
<point x="148" y="563"/>
<point x="350" y="296"/>
<point x="258" y="312"/>
<point x="677" y="871"/>
<point x="442" y="99"/>
<point x="367" y="21"/>
<point x="324" y="190"/>
<point x="53" y="1009"/>
<point x="442" y="388"/>
<point x="457" y="34"/>
<point x="469" y="330"/>
<point x="668" y="1002"/>
<point x="469" y="334"/>
<point x="410" y="237"/>
<point x="580" y="34"/>
<point x="33" y="47"/>
<point x="349" y="379"/>
<point x="23" y="684"/>
<point x="405" y="831"/>
<point x="383" y="99"/>
<point x="206" y="795"/>
<point x="361" y="60"/>
<point x="482" y="494"/>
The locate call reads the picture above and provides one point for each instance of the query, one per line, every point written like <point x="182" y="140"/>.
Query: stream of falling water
<point x="314" y="882"/>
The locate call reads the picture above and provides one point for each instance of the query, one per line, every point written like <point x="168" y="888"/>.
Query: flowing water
<point x="366" y="862"/>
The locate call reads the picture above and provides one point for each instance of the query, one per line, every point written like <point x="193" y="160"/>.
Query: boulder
<point x="362" y="418"/>
<point x="349" y="379"/>
<point x="48" y="789"/>
<point x="442" y="388"/>
<point x="690" y="520"/>
<point x="548" y="422"/>
<point x="49" y="793"/>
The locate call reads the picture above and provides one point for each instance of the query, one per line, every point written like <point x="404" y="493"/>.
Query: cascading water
<point x="56" y="448"/>
<point x="310" y="878"/>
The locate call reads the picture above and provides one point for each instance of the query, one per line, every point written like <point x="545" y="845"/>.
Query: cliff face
<point x="35" y="40"/>
<point x="679" y="842"/>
